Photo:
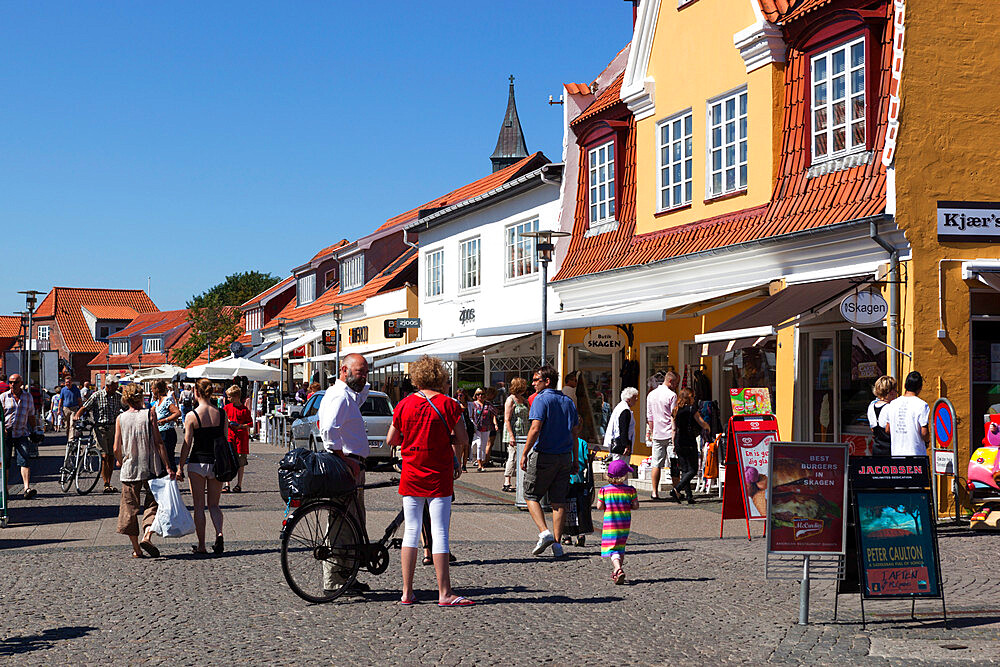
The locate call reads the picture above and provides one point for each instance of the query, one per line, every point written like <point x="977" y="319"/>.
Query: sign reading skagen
<point x="864" y="308"/>
<point x="603" y="340"/>
<point x="968" y="221"/>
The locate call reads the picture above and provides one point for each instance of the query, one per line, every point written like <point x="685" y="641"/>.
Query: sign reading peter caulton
<point x="968" y="221"/>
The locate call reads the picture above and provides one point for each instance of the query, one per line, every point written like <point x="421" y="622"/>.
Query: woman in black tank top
<point x="201" y="427"/>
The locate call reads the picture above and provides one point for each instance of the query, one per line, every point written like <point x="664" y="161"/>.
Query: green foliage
<point x="215" y="315"/>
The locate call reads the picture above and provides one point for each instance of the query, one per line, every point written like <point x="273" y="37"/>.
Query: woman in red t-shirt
<point x="423" y="425"/>
<point x="239" y="431"/>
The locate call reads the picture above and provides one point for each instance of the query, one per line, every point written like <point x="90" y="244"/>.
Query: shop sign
<point x="897" y="544"/>
<point x="968" y="221"/>
<point x="466" y="315"/>
<point x="889" y="472"/>
<point x="752" y="450"/>
<point x="603" y="340"/>
<point x="864" y="308"/>
<point x="944" y="462"/>
<point x="807" y="494"/>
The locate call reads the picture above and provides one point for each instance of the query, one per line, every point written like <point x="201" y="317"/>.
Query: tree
<point x="215" y="315"/>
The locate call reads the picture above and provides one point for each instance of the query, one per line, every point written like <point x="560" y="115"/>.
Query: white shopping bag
<point x="172" y="516"/>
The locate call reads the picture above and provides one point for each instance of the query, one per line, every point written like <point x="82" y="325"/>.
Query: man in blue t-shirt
<point x="69" y="400"/>
<point x="549" y="456"/>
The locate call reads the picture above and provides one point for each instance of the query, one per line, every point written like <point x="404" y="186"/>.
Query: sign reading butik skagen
<point x="968" y="221"/>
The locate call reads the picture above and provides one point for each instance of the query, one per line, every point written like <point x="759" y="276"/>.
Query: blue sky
<point x="185" y="141"/>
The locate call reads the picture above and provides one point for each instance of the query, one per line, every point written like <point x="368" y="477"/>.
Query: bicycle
<point x="82" y="460"/>
<point x="320" y="531"/>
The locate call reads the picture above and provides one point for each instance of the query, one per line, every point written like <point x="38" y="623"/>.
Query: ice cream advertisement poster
<point x="752" y="451"/>
<point x="897" y="545"/>
<point x="807" y="498"/>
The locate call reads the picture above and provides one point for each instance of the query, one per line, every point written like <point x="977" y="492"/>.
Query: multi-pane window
<point x="520" y="251"/>
<point x="152" y="345"/>
<point x="468" y="252"/>
<point x="838" y="100"/>
<point x="727" y="144"/>
<point x="601" y="181"/>
<point x="120" y="347"/>
<point x="306" y="289"/>
<point x="435" y="273"/>
<point x="255" y="319"/>
<point x="352" y="272"/>
<point x="676" y="161"/>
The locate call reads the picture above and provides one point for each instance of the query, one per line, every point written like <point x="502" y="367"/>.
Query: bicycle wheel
<point x="321" y="541"/>
<point x="88" y="467"/>
<point x="68" y="470"/>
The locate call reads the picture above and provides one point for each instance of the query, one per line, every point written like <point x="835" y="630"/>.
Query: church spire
<point x="510" y="144"/>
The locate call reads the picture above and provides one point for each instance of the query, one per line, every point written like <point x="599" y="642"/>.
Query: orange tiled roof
<point x="329" y="249"/>
<point x="606" y="99"/>
<point x="103" y="312"/>
<point x="276" y="288"/>
<point x="797" y="202"/>
<point x="172" y="323"/>
<point x="782" y="11"/>
<point x="10" y="326"/>
<point x="473" y="189"/>
<point x="577" y="88"/>
<point x="66" y="305"/>
<point x="389" y="279"/>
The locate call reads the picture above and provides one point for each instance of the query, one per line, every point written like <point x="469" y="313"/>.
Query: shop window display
<point x="749" y="367"/>
<point x="862" y="361"/>
<point x="595" y="376"/>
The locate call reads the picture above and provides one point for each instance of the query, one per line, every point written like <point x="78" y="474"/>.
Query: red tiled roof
<point x="66" y="305"/>
<point x="388" y="279"/>
<point x="10" y="326"/>
<point x="277" y="288"/>
<point x="473" y="189"/>
<point x="797" y="202"/>
<point x="783" y="11"/>
<point x="606" y="99"/>
<point x="173" y="323"/>
<point x="577" y="88"/>
<point x="329" y="249"/>
<point x="103" y="312"/>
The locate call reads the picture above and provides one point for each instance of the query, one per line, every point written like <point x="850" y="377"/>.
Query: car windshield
<point x="376" y="406"/>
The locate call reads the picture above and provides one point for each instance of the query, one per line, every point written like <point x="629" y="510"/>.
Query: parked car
<point x="376" y="411"/>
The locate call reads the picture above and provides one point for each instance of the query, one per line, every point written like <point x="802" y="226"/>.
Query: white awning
<point x="633" y="312"/>
<point x="292" y="345"/>
<point x="449" y="349"/>
<point x="364" y="350"/>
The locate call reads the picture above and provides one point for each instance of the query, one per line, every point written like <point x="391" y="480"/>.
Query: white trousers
<point x="440" y="511"/>
<point x="480" y="440"/>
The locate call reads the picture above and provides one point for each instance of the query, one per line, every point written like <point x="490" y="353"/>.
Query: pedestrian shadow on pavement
<point x="32" y="513"/>
<point x="187" y="554"/>
<point x="491" y="595"/>
<point x="44" y="640"/>
<point x="669" y="580"/>
<point x="22" y="544"/>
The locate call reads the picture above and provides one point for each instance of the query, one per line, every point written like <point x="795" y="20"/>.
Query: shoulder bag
<point x="226" y="462"/>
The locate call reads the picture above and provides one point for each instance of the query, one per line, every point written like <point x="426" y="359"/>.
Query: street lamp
<point x="544" y="247"/>
<point x="338" y="314"/>
<point x="30" y="299"/>
<point x="281" y="376"/>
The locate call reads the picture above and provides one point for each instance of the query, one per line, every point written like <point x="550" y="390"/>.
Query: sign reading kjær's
<point x="968" y="221"/>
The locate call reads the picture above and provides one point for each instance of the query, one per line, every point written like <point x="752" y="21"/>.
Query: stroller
<point x="580" y="498"/>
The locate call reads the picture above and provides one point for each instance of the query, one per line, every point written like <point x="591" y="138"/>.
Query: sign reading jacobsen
<point x="968" y="221"/>
<point x="807" y="494"/>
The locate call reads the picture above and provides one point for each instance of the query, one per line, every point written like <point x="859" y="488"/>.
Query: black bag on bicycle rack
<point x="304" y="474"/>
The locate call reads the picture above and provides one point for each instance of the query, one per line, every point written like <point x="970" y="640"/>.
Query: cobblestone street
<point x="72" y="594"/>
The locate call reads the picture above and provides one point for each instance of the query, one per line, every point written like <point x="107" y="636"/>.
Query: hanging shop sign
<point x="807" y="497"/>
<point x="864" y="308"/>
<point x="603" y="340"/>
<point x="330" y="339"/>
<point x="968" y="221"/>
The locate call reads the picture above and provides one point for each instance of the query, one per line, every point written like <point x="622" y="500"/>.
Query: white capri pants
<point x="480" y="441"/>
<point x="413" y="511"/>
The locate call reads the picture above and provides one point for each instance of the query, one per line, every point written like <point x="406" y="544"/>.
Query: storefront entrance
<point x="599" y="374"/>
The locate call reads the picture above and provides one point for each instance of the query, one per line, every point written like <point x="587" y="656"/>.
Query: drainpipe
<point x="406" y="240"/>
<point x="893" y="325"/>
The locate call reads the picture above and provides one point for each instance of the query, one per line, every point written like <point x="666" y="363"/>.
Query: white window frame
<point x="352" y="272"/>
<point x="825" y="110"/>
<point x="119" y="348"/>
<point x="601" y="193"/>
<point x="470" y="264"/>
<point x="43" y="332"/>
<point x="305" y="289"/>
<point x="675" y="161"/>
<point x="434" y="273"/>
<point x="719" y="142"/>
<point x="519" y="252"/>
<point x="255" y="317"/>
<point x="328" y="279"/>
<point x="152" y="345"/>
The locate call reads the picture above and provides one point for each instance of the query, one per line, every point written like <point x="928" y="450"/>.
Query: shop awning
<point x="381" y="355"/>
<point x="449" y="349"/>
<point x="632" y="312"/>
<point x="261" y="351"/>
<point x="364" y="350"/>
<point x="984" y="270"/>
<point x="758" y="323"/>
<point x="292" y="345"/>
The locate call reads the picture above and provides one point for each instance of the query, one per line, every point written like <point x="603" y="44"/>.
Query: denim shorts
<point x="22" y="451"/>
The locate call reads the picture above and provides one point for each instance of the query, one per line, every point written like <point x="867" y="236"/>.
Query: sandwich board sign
<point x="744" y="494"/>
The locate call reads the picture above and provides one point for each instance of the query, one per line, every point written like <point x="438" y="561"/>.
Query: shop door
<point x="597" y="374"/>
<point x="823" y="397"/>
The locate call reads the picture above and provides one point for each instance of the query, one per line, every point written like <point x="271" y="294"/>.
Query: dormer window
<point x="119" y="347"/>
<point x="255" y="319"/>
<point x="306" y="289"/>
<point x="838" y="100"/>
<point x="601" y="183"/>
<point x="352" y="272"/>
<point x="152" y="345"/>
<point x="329" y="279"/>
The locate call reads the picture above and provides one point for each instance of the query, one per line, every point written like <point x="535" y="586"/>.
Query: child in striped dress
<point x="617" y="499"/>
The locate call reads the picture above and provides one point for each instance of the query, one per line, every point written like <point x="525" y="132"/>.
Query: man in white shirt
<point x="343" y="431"/>
<point x="660" y="428"/>
<point x="905" y="419"/>
<point x="569" y="384"/>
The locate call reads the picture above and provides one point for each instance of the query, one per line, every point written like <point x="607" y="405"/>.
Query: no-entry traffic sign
<point x="944" y="424"/>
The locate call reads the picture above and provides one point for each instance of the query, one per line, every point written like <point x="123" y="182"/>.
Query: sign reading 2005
<point x="968" y="221"/>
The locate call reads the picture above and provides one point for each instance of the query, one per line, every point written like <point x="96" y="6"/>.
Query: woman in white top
<point x="620" y="434"/>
